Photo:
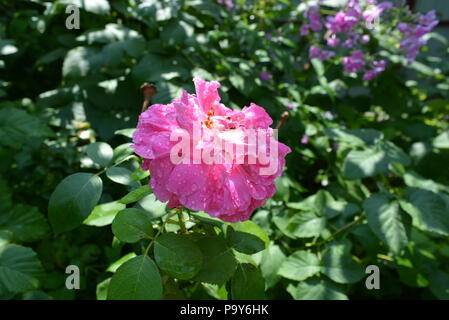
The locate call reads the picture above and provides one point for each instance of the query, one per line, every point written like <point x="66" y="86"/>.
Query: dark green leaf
<point x="131" y="225"/>
<point x="73" y="200"/>
<point x="178" y="256"/>
<point x="136" y="279"/>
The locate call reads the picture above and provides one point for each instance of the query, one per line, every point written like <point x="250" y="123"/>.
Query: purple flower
<point x="378" y="68"/>
<point x="414" y="35"/>
<point x="373" y="13"/>
<point x="333" y="41"/>
<point x="289" y="106"/>
<point x="305" y="139"/>
<point x="318" y="53"/>
<point x="265" y="76"/>
<point x="314" y="52"/>
<point x="365" y="39"/>
<point x="354" y="62"/>
<point x="229" y="3"/>
<point x="304" y="29"/>
<point x="315" y="21"/>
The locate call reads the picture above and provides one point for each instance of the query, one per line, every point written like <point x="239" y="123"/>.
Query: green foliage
<point x="369" y="187"/>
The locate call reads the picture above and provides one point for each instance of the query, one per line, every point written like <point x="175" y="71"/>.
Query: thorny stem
<point x="157" y="234"/>
<point x="344" y="228"/>
<point x="181" y="221"/>
<point x="284" y="118"/>
<point x="148" y="91"/>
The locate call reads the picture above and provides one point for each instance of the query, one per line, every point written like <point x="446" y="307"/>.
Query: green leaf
<point x="358" y="137"/>
<point x="121" y="175"/>
<point x="51" y="56"/>
<point x="247" y="283"/>
<point x="136" y="194"/>
<point x="76" y="62"/>
<point x="102" y="289"/>
<point x="136" y="279"/>
<point x="247" y="237"/>
<point x="94" y="6"/>
<point x="428" y="210"/>
<point x="17" y="127"/>
<point x="412" y="179"/>
<point x="115" y="265"/>
<point x="73" y="200"/>
<point x="19" y="269"/>
<point x="24" y="223"/>
<point x="384" y="218"/>
<point x="151" y="205"/>
<point x="131" y="225"/>
<point x="104" y="214"/>
<point x="372" y="161"/>
<point x="300" y="225"/>
<point x="300" y="266"/>
<point x="271" y="260"/>
<point x="126" y="132"/>
<point x="317" y="289"/>
<point x="178" y="256"/>
<point x="442" y="140"/>
<point x="338" y="264"/>
<point x="176" y="32"/>
<point x="122" y="152"/>
<point x="439" y="285"/>
<point x="218" y="262"/>
<point x="100" y="152"/>
<point x="366" y="163"/>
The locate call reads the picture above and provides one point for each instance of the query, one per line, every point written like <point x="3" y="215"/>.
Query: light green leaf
<point x="358" y="137"/>
<point x="136" y="279"/>
<point x="442" y="141"/>
<point x="100" y="152"/>
<point x="104" y="214"/>
<point x="338" y="264"/>
<point x="76" y="62"/>
<point x="136" y="194"/>
<point x="102" y="289"/>
<point x="126" y="132"/>
<point x="300" y="225"/>
<point x="73" y="200"/>
<point x="372" y="161"/>
<point x="121" y="175"/>
<point x="428" y="210"/>
<point x="317" y="289"/>
<point x="94" y="6"/>
<point x="384" y="218"/>
<point x="152" y="206"/>
<point x="300" y="266"/>
<point x="115" y="265"/>
<point x="271" y="260"/>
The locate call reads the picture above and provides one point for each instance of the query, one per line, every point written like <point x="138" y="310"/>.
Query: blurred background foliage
<point x="366" y="183"/>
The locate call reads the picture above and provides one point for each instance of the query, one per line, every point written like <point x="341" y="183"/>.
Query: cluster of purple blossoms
<point x="229" y="3"/>
<point x="349" y="32"/>
<point x="414" y="34"/>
